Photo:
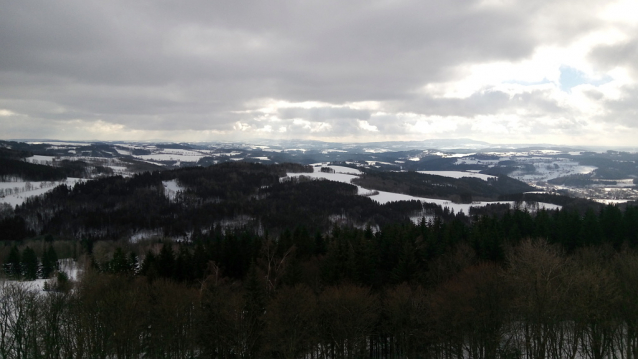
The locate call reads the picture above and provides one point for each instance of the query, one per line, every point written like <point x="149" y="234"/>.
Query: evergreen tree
<point x="30" y="264"/>
<point x="408" y="267"/>
<point x="304" y="242"/>
<point x="590" y="231"/>
<point x="149" y="266"/>
<point x="183" y="267"/>
<point x="293" y="273"/>
<point x="200" y="259"/>
<point x="166" y="261"/>
<point x="612" y="226"/>
<point x="119" y="264"/>
<point x="133" y="262"/>
<point x="49" y="262"/>
<point x="320" y="244"/>
<point x="13" y="266"/>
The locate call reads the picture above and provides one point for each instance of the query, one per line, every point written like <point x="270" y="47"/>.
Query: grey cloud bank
<point x="325" y="70"/>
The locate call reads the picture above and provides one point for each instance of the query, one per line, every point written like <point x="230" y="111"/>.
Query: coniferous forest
<point x="245" y="265"/>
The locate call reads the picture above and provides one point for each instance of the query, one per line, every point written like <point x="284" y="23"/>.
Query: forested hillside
<point x="116" y="207"/>
<point x="13" y="167"/>
<point x="426" y="185"/>
<point x="245" y="264"/>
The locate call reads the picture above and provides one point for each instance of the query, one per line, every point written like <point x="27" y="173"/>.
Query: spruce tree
<point x="13" y="266"/>
<point x="200" y="260"/>
<point x="49" y="262"/>
<point x="53" y="257"/>
<point x="183" y="266"/>
<point x="133" y="262"/>
<point x="46" y="268"/>
<point x="119" y="264"/>
<point x="166" y="261"/>
<point x="149" y="266"/>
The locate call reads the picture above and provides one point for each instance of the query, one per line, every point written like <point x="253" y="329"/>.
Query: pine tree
<point x="49" y="262"/>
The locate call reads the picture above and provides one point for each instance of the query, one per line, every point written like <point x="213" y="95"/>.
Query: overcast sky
<point x="502" y="71"/>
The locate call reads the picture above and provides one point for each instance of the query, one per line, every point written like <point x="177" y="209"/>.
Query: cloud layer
<point x="495" y="70"/>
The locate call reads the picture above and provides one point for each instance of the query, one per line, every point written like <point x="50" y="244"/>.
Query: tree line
<point x="26" y="266"/>
<point x="540" y="301"/>
<point x="426" y="185"/>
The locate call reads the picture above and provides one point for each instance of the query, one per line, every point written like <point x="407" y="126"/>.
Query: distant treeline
<point x="14" y="168"/>
<point x="11" y="169"/>
<point x="426" y="185"/>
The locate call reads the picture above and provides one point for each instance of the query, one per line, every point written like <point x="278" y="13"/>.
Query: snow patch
<point x="171" y="188"/>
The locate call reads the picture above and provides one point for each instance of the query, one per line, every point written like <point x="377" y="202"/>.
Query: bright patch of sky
<point x="571" y="77"/>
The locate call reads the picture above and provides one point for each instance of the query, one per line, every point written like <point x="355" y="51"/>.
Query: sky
<point x="558" y="72"/>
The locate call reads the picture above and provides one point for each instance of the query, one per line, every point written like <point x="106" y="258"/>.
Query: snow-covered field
<point x="67" y="266"/>
<point x="40" y="160"/>
<point x="346" y="170"/>
<point x="610" y="201"/>
<point x="458" y="155"/>
<point x="474" y="161"/>
<point x="30" y="189"/>
<point x="458" y="174"/>
<point x="122" y="151"/>
<point x="119" y="170"/>
<point x="383" y="197"/>
<point x="623" y="183"/>
<point x="549" y="168"/>
<point x="59" y="143"/>
<point x="190" y="157"/>
<point x="332" y="150"/>
<point x="375" y="150"/>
